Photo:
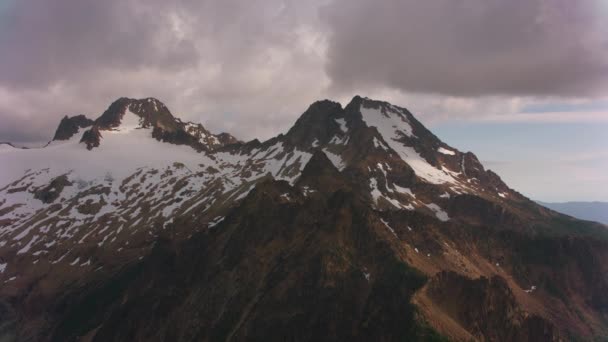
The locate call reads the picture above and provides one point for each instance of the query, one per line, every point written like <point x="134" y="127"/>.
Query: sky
<point x="522" y="83"/>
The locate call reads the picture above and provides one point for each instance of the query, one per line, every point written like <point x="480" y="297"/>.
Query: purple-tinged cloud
<point x="470" y="47"/>
<point x="218" y="62"/>
<point x="44" y="42"/>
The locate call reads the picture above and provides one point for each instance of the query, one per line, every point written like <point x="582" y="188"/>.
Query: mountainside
<point x="592" y="211"/>
<point x="356" y="224"/>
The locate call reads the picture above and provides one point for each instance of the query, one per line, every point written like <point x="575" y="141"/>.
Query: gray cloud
<point x="225" y="63"/>
<point x="251" y="67"/>
<point x="45" y="42"/>
<point x="471" y="47"/>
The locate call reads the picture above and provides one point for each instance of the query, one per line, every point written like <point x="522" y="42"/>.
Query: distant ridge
<point x="592" y="211"/>
<point x="11" y="144"/>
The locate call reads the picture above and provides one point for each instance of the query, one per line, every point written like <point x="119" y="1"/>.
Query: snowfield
<point x="393" y="126"/>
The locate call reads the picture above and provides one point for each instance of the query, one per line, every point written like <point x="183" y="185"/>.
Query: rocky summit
<point x="358" y="224"/>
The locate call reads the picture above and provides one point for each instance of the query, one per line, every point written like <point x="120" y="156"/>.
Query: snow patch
<point x="441" y="215"/>
<point x="339" y="140"/>
<point x="129" y="122"/>
<point x="335" y="159"/>
<point x="27" y="247"/>
<point x="342" y="124"/>
<point x="306" y="190"/>
<point x="446" y="151"/>
<point x="405" y="191"/>
<point x="380" y="144"/>
<point x="216" y="221"/>
<point x="393" y="127"/>
<point x="73" y="263"/>
<point x="389" y="228"/>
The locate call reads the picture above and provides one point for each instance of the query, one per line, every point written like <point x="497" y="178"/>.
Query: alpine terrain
<point x="358" y="224"/>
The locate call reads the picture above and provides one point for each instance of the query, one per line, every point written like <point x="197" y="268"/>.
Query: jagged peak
<point x="357" y="193"/>
<point x="357" y="101"/>
<point x="127" y="114"/>
<point x="318" y="111"/>
<point x="325" y="103"/>
<point x="68" y="126"/>
<point x="324" y="125"/>
<point x="317" y="123"/>
<point x="150" y="112"/>
<point x="208" y="139"/>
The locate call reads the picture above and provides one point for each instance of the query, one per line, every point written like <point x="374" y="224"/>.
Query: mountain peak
<point x="349" y="205"/>
<point x="317" y="123"/>
<point x="152" y="113"/>
<point x="70" y="126"/>
<point x="127" y="115"/>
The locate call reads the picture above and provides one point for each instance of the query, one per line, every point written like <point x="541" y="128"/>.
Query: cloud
<point x="245" y="66"/>
<point x="550" y="117"/>
<point x="470" y="48"/>
<point x="251" y="67"/>
<point x="68" y="40"/>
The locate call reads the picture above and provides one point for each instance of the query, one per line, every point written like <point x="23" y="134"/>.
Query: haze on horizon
<point x="523" y="83"/>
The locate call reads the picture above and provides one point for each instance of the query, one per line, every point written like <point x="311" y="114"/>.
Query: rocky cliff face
<point x="487" y="308"/>
<point x="69" y="126"/>
<point x="125" y="114"/>
<point x="357" y="224"/>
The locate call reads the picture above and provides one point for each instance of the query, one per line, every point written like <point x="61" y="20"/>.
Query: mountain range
<point x="358" y="223"/>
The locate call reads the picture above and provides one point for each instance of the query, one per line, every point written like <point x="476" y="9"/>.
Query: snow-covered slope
<point x="394" y="127"/>
<point x="75" y="201"/>
<point x="145" y="211"/>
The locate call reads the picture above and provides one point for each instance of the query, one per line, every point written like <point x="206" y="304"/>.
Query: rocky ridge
<point x="357" y="207"/>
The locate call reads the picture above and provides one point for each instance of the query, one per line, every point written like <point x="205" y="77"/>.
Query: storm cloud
<point x="225" y="63"/>
<point x="251" y="67"/>
<point x="470" y="47"/>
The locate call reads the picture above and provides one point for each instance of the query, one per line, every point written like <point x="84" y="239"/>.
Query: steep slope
<point x="358" y="223"/>
<point x="127" y="114"/>
<point x="271" y="270"/>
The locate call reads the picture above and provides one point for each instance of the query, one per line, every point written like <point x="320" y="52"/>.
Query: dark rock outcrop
<point x="70" y="126"/>
<point x="487" y="308"/>
<point x="51" y="192"/>
<point x="154" y="115"/>
<point x="91" y="138"/>
<point x="317" y="123"/>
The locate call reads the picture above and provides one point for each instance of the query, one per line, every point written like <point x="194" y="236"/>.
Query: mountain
<point x="356" y="224"/>
<point x="592" y="211"/>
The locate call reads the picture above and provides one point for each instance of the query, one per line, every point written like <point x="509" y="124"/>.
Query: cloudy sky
<point x="522" y="83"/>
